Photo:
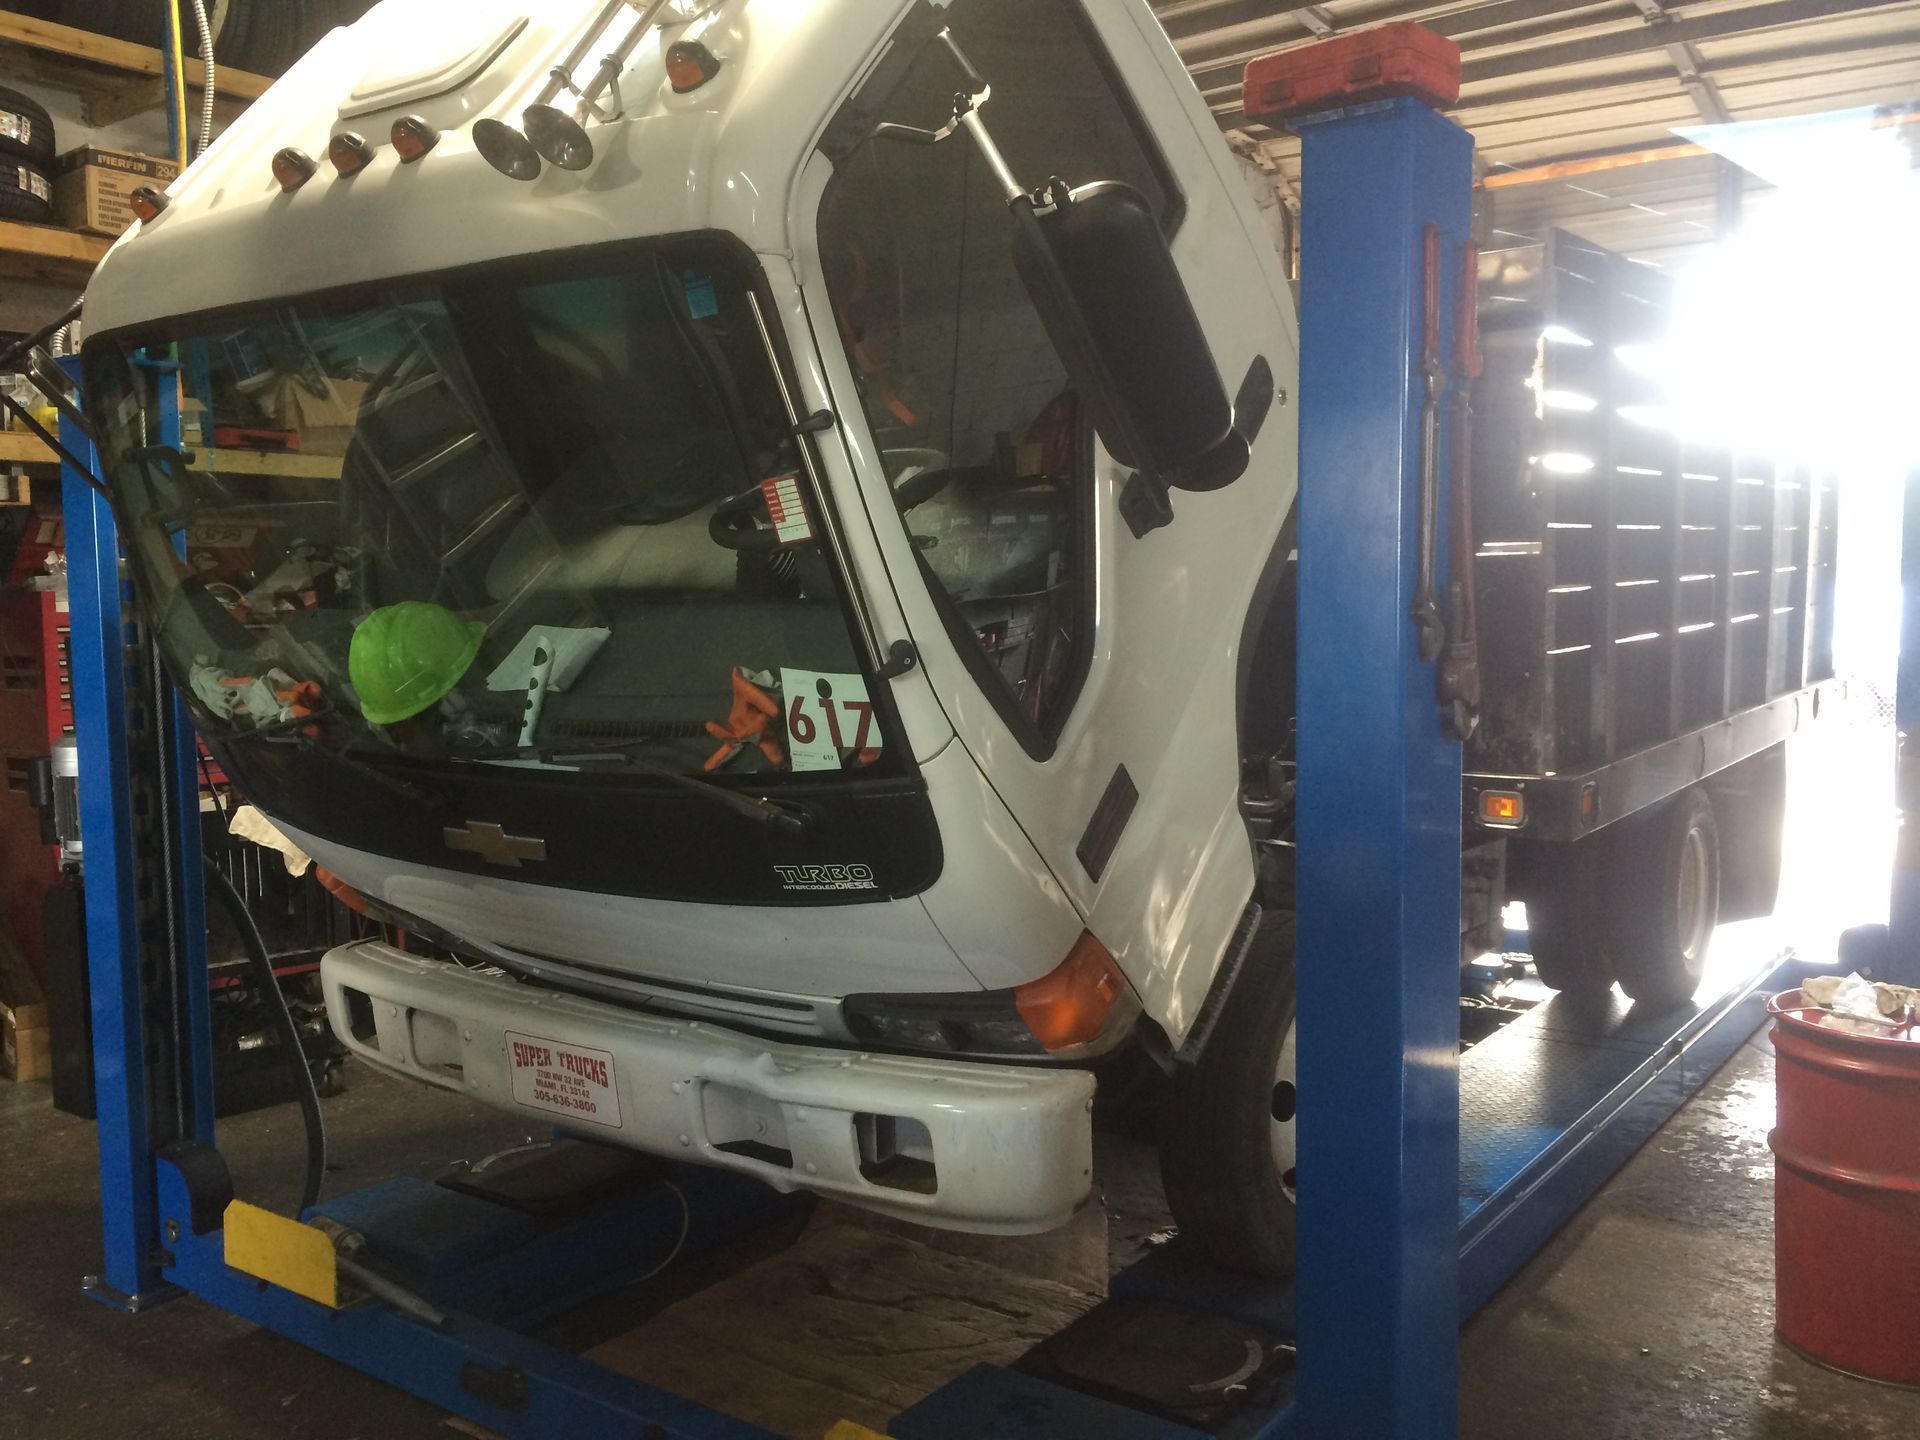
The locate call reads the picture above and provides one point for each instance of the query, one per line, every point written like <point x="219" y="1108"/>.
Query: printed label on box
<point x="569" y="1080"/>
<point x="789" y="512"/>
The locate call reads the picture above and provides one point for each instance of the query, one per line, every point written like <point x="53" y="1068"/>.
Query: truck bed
<point x="1652" y="608"/>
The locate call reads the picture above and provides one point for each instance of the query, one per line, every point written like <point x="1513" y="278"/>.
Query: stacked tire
<point x="261" y="36"/>
<point x="26" y="159"/>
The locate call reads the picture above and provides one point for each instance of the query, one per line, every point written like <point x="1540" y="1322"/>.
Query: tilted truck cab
<point x="758" y="538"/>
<point x="666" y="551"/>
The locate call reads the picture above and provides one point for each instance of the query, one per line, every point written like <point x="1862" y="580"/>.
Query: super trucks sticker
<point x="569" y="1080"/>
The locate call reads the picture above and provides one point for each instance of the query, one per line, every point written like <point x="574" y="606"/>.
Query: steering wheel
<point x="740" y="523"/>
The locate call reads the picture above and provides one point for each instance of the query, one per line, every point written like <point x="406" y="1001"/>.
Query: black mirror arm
<point x="908" y="134"/>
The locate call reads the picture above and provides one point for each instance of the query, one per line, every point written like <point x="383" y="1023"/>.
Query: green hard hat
<point x="405" y="657"/>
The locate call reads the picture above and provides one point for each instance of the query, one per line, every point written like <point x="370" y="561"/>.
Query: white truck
<point x="754" y="536"/>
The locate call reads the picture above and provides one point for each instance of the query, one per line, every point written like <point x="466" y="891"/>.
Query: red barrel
<point x="1846" y="1202"/>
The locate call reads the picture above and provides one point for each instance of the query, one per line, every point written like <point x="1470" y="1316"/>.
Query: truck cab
<point x="759" y="605"/>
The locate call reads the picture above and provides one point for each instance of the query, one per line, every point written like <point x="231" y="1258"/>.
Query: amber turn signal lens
<point x="1069" y="1006"/>
<point x="147" y="202"/>
<point x="1506" y="809"/>
<point x="292" y="168"/>
<point x="412" y="138"/>
<point x="690" y="65"/>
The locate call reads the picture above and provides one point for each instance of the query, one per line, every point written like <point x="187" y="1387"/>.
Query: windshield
<point x="494" y="517"/>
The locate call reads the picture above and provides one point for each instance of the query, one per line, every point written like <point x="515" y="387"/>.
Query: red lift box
<point x="1398" y="59"/>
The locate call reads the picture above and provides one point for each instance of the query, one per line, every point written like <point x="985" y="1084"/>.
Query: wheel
<point x="1228" y="1147"/>
<point x="1567" y="916"/>
<point x="25" y="194"/>
<point x="1750" y="810"/>
<point x="26" y="130"/>
<point x="1666" y="899"/>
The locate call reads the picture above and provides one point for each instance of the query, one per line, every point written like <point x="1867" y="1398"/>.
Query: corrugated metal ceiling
<point x="1547" y="81"/>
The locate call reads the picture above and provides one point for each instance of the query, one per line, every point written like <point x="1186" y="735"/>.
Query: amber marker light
<point x="1069" y="1006"/>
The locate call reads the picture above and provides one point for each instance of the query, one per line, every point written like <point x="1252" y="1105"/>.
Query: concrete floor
<point x="1650" y="1316"/>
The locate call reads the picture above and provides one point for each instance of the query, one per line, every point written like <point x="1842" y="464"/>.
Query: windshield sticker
<point x="828" y="718"/>
<point x="789" y="512"/>
<point x="826" y="877"/>
<point x="703" y="301"/>
<point x="569" y="1080"/>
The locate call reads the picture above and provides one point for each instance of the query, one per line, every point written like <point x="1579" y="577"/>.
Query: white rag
<point x="249" y="824"/>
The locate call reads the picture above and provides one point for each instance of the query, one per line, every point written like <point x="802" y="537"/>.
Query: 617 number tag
<point x="827" y="715"/>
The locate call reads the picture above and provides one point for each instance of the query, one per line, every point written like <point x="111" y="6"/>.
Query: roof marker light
<point x="350" y="153"/>
<point x="690" y="65"/>
<point x="148" y="202"/>
<point x="413" y="137"/>
<point x="506" y="149"/>
<point x="293" y="168"/>
<point x="558" y="137"/>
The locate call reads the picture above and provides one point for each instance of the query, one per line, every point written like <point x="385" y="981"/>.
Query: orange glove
<point x="750" y="722"/>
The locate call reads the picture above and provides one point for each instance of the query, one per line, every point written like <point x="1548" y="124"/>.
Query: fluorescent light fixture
<point x="1565" y="462"/>
<point x="1654" y="417"/>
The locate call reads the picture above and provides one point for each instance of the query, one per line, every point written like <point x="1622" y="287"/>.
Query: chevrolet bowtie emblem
<point x="492" y="844"/>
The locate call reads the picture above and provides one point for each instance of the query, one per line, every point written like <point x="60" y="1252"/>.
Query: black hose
<point x="222" y="888"/>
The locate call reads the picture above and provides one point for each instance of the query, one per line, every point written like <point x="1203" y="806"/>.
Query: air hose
<point x="309" y="1094"/>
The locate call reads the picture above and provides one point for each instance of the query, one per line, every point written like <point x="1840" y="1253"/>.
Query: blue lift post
<point x="1378" y="820"/>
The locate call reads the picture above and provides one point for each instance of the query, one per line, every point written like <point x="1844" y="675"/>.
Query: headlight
<point x="1077" y="1010"/>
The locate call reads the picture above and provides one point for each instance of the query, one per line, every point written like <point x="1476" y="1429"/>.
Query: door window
<point x="986" y="446"/>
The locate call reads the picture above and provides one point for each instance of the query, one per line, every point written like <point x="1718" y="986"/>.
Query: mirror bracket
<point x="1145" y="504"/>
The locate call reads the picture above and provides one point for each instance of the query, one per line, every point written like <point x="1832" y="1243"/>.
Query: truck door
<point x="1090" y="673"/>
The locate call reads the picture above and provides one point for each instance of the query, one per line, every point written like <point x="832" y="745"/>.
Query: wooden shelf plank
<point x="267" y="462"/>
<point x="48" y="254"/>
<point x="121" y="54"/>
<point x="23" y="447"/>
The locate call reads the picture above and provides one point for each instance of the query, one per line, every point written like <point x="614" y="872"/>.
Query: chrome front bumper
<point x="962" y="1145"/>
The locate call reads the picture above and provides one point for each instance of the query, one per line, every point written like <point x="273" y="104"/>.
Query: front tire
<point x="1228" y="1147"/>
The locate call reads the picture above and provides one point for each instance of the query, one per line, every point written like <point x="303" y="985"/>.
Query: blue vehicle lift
<point x="1449" y="1174"/>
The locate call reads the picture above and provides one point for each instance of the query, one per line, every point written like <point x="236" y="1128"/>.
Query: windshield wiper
<point x="787" y="819"/>
<point x="293" y="733"/>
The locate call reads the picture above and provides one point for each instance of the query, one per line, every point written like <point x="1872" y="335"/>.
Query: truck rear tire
<point x="1566" y="891"/>
<point x="1566" y="922"/>
<point x="1227" y="1150"/>
<point x="1750" y="812"/>
<point x="1666" y="899"/>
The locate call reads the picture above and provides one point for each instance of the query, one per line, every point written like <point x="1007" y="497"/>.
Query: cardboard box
<point x="26" y="1051"/>
<point x="26" y="1043"/>
<point x="93" y="188"/>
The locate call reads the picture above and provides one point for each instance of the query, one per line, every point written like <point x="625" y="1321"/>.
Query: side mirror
<point x="1103" y="279"/>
